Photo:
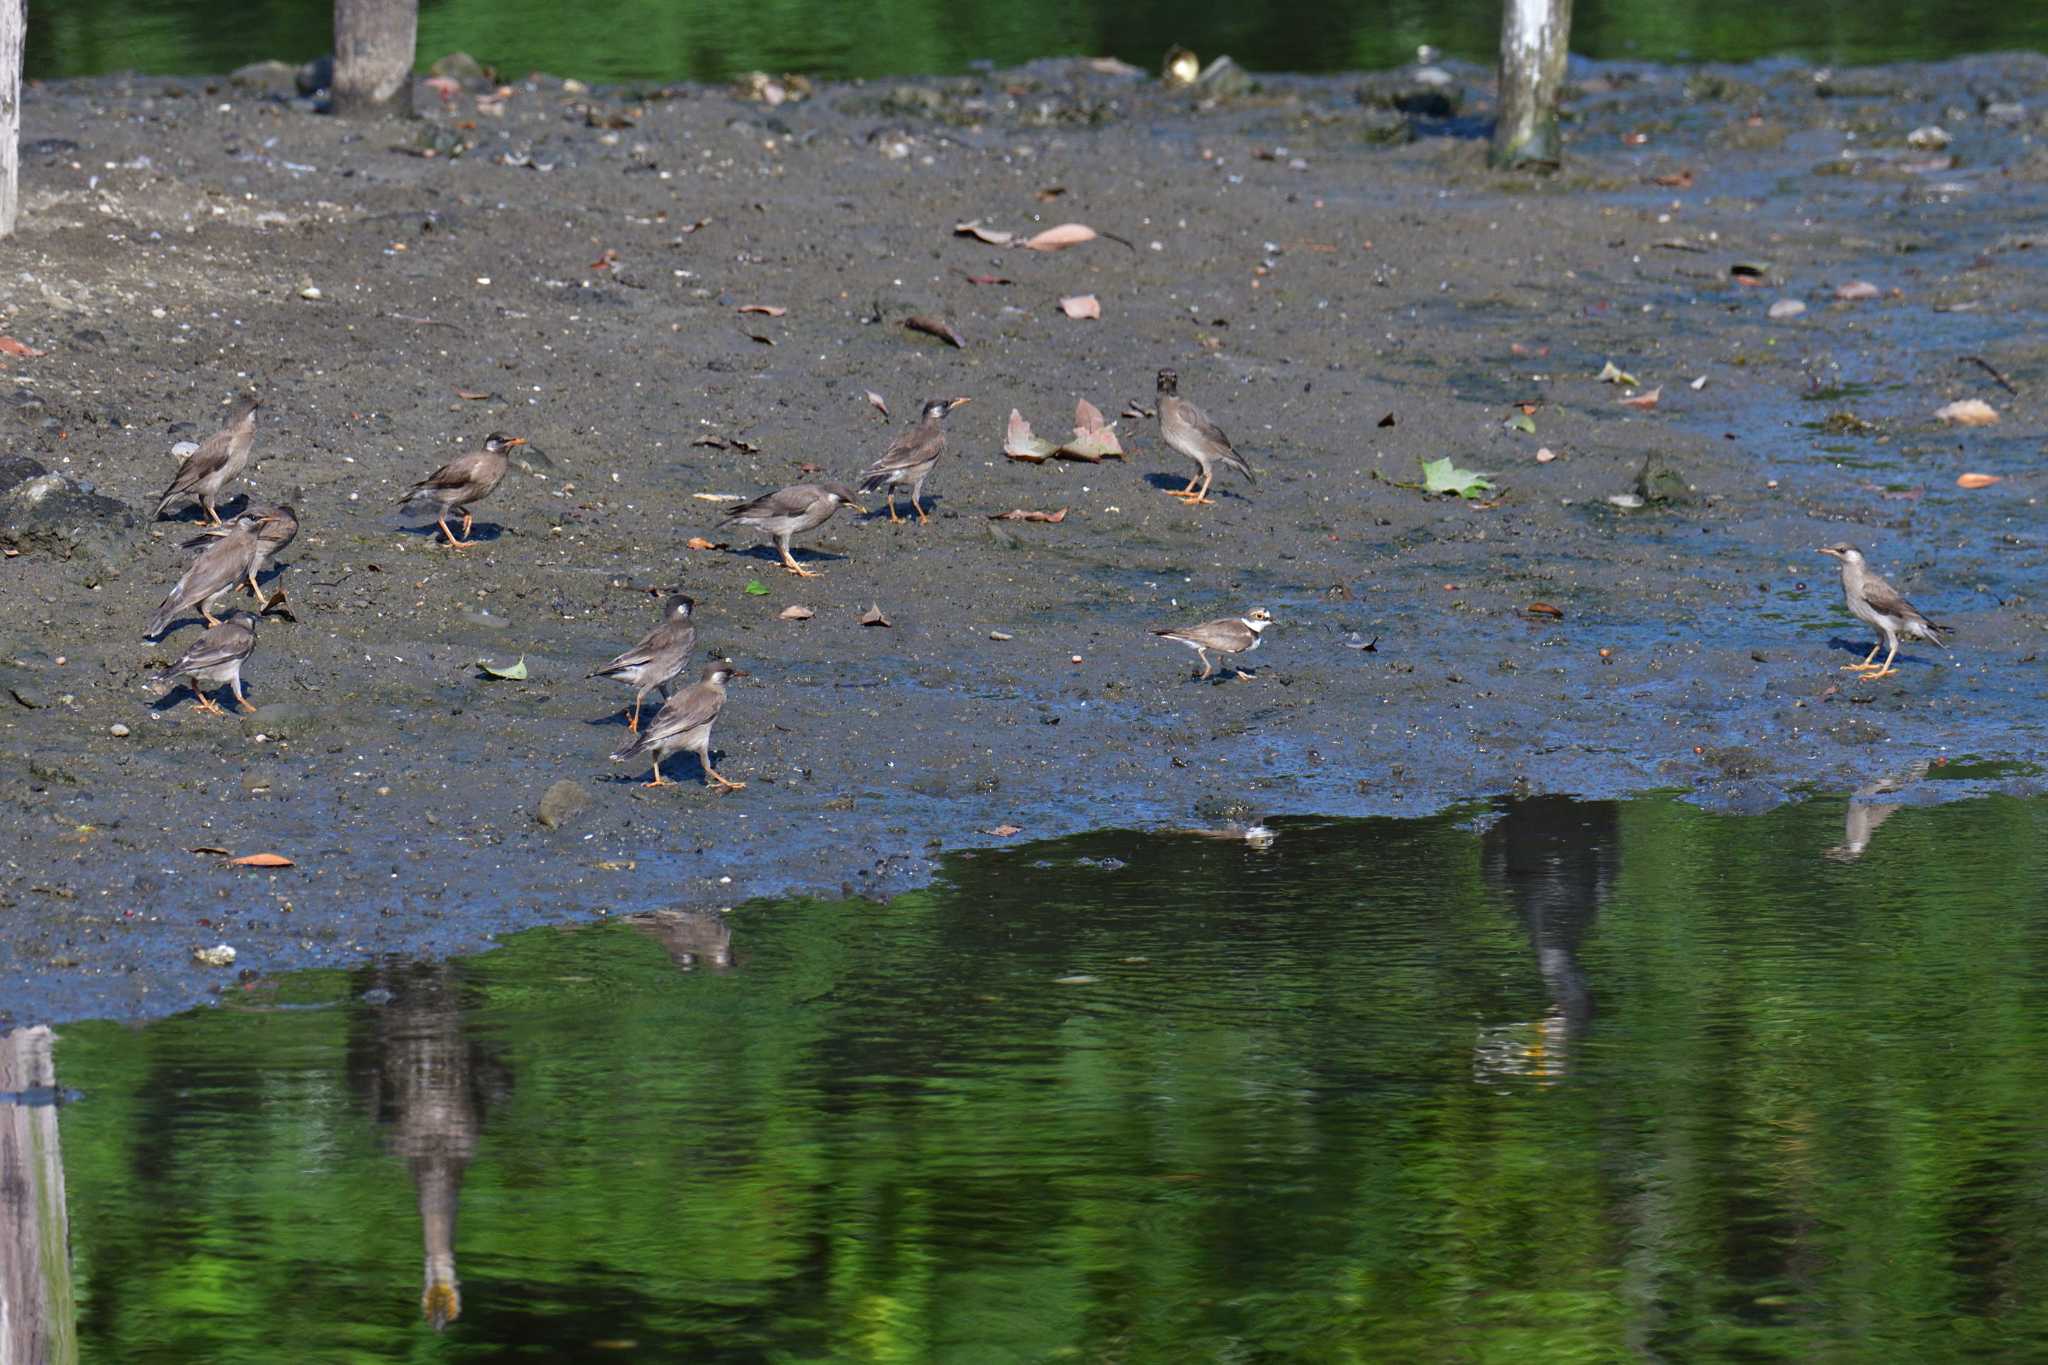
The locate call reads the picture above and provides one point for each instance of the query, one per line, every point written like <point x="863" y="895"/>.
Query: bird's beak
<point x="516" y="441"/>
<point x="1830" y="550"/>
<point x="952" y="403"/>
<point x="741" y="673"/>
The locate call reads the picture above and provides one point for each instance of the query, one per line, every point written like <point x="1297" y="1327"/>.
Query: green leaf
<point x="756" y="588"/>
<point x="1441" y="476"/>
<point x="516" y="673"/>
<point x="1523" y="423"/>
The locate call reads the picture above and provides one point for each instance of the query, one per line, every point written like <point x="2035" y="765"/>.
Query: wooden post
<point x="38" y="1320"/>
<point x="373" y="55"/>
<point x="1534" y="37"/>
<point x="13" y="35"/>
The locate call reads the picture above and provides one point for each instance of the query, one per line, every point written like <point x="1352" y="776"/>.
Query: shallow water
<point x="713" y="40"/>
<point x="1534" y="1081"/>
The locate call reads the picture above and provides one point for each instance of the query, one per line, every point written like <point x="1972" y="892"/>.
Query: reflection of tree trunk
<point x="421" y="1077"/>
<point x="37" y="1321"/>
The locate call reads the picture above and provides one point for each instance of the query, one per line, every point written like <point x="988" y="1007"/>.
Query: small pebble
<point x="118" y="730"/>
<point x="1787" y="308"/>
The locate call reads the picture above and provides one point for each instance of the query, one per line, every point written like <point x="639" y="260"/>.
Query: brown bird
<point x="1187" y="429"/>
<point x="1877" y="603"/>
<point x="792" y="511"/>
<point x="911" y="457"/>
<point x="684" y="722"/>
<point x="227" y="559"/>
<point x="657" y="658"/>
<point x="215" y="660"/>
<point x="464" y="480"/>
<point x="1230" y="635"/>
<point x="219" y="458"/>
<point x="276" y="527"/>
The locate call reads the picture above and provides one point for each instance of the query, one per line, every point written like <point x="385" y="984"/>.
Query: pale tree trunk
<point x="13" y="34"/>
<point x="37" y="1317"/>
<point x="1534" y="36"/>
<point x="373" y="53"/>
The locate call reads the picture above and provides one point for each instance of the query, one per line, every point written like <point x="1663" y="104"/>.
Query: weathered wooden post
<point x="13" y="37"/>
<point x="1534" y="37"/>
<point x="373" y="55"/>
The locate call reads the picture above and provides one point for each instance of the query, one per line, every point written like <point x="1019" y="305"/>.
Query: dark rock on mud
<point x="55" y="514"/>
<point x="562" y="802"/>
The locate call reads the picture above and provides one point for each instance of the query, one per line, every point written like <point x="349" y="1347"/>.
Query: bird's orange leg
<point x="442" y="522"/>
<point x="892" y="506"/>
<point x="633" y="717"/>
<point x="466" y="521"/>
<point x="1202" y="498"/>
<point x="789" y="563"/>
<point x="208" y="704"/>
<point x="922" y="519"/>
<point x="1851" y="668"/>
<point x="659" y="780"/>
<point x="211" y="619"/>
<point x="712" y="775"/>
<point x="1885" y="670"/>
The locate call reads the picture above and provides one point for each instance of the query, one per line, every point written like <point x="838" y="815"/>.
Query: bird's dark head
<point x="245" y="619"/>
<point x="679" y="608"/>
<point x="838" y="492"/>
<point x="722" y="671"/>
<point x="935" y="408"/>
<point x="1169" y="383"/>
<point x="1843" y="551"/>
<point x="498" y="442"/>
<point x="244" y="408"/>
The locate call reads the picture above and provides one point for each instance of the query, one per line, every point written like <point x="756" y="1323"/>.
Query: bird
<point x="1188" y="430"/>
<point x="219" y="458"/>
<point x="228" y="557"/>
<point x="658" y="658"/>
<point x="276" y="527"/>
<point x="464" y="480"/>
<point x="791" y="511"/>
<point x="1877" y="603"/>
<point x="214" y="660"/>
<point x="1229" y="635"/>
<point x="684" y="722"/>
<point x="911" y="457"/>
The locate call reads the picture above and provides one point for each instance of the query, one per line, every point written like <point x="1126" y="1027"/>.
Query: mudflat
<point x="1799" y="267"/>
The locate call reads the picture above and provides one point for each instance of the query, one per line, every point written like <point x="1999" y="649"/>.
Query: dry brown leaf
<point x="1969" y="412"/>
<point x="1544" y="609"/>
<point x="1978" y="480"/>
<point x="766" y="310"/>
<point x="875" y="400"/>
<point x="21" y="348"/>
<point x="1020" y="514"/>
<point x="937" y="327"/>
<point x="471" y="395"/>
<point x="795" y="613"/>
<point x="988" y="279"/>
<point x="974" y="229"/>
<point x="209" y="848"/>
<point x="700" y="543"/>
<point x="261" y="860"/>
<point x="1081" y="306"/>
<point x="1057" y="238"/>
<point x="1644" y="401"/>
<point x="1020" y="444"/>
<point x="1680" y="180"/>
<point x="873" y="616"/>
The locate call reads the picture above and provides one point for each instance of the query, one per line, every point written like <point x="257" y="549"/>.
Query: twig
<point x="1986" y="366"/>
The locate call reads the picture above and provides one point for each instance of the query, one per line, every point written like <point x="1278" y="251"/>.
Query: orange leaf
<point x="261" y="860"/>
<point x="472" y="395"/>
<point x="1004" y="831"/>
<point x="1978" y="480"/>
<point x="13" y="347"/>
<point x="1644" y="401"/>
<point x="700" y="543"/>
<point x="1056" y="238"/>
<point x="1969" y="412"/>
<point x="1544" y="609"/>
<point x="765" y="309"/>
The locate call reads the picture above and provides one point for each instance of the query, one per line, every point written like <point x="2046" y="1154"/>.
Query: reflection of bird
<point x="911" y="457"/>
<point x="464" y="480"/>
<point x="219" y="458"/>
<point x="1861" y="819"/>
<point x="215" y="660"/>
<point x="1230" y="635"/>
<point x="1877" y="603"/>
<point x="790" y="512"/>
<point x="684" y="722"/>
<point x="1188" y="430"/>
<point x="229" y="555"/>
<point x="691" y="938"/>
<point x="658" y="658"/>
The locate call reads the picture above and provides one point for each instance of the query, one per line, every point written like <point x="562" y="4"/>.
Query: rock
<point x="561" y="803"/>
<point x="219" y="955"/>
<point x="1786" y="308"/>
<point x="270" y="78"/>
<point x="284" y="720"/>
<point x="1657" y="481"/>
<point x="48" y="146"/>
<point x="57" y="515"/>
<point x="118" y="730"/>
<point x="1928" y="139"/>
<point x="460" y="66"/>
<point x="1429" y="92"/>
<point x="316" y="76"/>
<point x="1222" y="79"/>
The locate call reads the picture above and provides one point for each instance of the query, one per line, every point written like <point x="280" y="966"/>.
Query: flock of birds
<point x="232" y="554"/>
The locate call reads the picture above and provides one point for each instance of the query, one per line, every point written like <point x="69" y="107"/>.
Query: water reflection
<point x="36" y="1318"/>
<point x="691" y="938"/>
<point x="1861" y="820"/>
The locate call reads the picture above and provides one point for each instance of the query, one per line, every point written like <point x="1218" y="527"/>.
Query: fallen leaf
<point x="1749" y="272"/>
<point x="10" y="346"/>
<point x="1544" y="609"/>
<point x="1049" y="193"/>
<point x="1081" y="306"/>
<point x="1785" y="308"/>
<point x="974" y="229"/>
<point x="767" y="310"/>
<point x="1387" y="421"/>
<point x="1020" y="444"/>
<point x="1523" y="423"/>
<point x="937" y="327"/>
<point x="1058" y="238"/>
<point x="1020" y="514"/>
<point x="1004" y="831"/>
<point x="1643" y="401"/>
<point x="756" y="588"/>
<point x="700" y="543"/>
<point x="1522" y="349"/>
<point x="1000" y="635"/>
<point x="208" y="848"/>
<point x="1857" y="290"/>
<point x="516" y="673"/>
<point x="1545" y="455"/>
<point x="988" y="279"/>
<point x="1093" y="439"/>
<point x="714" y="442"/>
<point x="1978" y="480"/>
<point x="220" y="955"/>
<point x="1611" y="373"/>
<point x="606" y="260"/>
<point x="875" y="401"/>
<point x="717" y="497"/>
<point x="1969" y="412"/>
<point x="1441" y="476"/>
<point x="261" y="860"/>
<point x="873" y="616"/>
<point x="472" y="395"/>
<point x="795" y="613"/>
<point x="1679" y="180"/>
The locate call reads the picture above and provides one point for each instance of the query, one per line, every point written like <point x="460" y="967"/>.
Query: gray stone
<point x="561" y="803"/>
<point x="270" y="78"/>
<point x="1657" y="481"/>
<point x="460" y="66"/>
<point x="55" y="514"/>
<point x="284" y="720"/>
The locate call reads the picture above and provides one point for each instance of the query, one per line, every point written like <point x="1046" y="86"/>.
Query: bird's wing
<point x="693" y="706"/>
<point x="222" y="644"/>
<point x="1885" y="599"/>
<point x="912" y="448"/>
<point x="793" y="501"/>
<point x="1203" y="427"/>
<point x="209" y="459"/>
<point x="461" y="470"/>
